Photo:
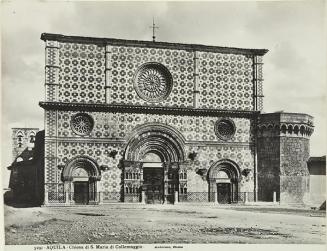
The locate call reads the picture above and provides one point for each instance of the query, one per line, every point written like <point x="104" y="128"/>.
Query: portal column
<point x="175" y="197"/>
<point x="142" y="196"/>
<point x="46" y="195"/>
<point x="98" y="193"/>
<point x="67" y="190"/>
<point x="212" y="190"/>
<point x="166" y="167"/>
<point x="140" y="181"/>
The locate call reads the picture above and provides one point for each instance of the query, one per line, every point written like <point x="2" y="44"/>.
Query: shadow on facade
<point x="26" y="182"/>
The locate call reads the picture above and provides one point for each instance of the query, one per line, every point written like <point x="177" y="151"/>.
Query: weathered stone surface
<point x="283" y="151"/>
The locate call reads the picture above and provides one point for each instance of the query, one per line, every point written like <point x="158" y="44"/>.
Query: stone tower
<point x="283" y="152"/>
<point x="22" y="139"/>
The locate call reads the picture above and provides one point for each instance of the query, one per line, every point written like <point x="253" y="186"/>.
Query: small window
<point x="183" y="175"/>
<point x="32" y="137"/>
<point x="19" y="159"/>
<point x="20" y="140"/>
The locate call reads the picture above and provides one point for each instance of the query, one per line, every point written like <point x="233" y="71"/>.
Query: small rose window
<point x="82" y="124"/>
<point x="225" y="129"/>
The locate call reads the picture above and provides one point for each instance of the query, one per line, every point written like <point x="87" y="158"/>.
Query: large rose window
<point x="82" y="124"/>
<point x="225" y="129"/>
<point x="153" y="82"/>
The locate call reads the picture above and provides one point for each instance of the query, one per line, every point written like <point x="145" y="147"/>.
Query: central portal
<point x="153" y="178"/>
<point x="152" y="159"/>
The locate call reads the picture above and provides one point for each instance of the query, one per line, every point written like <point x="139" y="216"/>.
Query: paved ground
<point x="125" y="223"/>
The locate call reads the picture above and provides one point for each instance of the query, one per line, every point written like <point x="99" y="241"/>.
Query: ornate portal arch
<point x="81" y="176"/>
<point x="84" y="163"/>
<point x="161" y="139"/>
<point x="226" y="165"/>
<point x="166" y="146"/>
<point x="223" y="179"/>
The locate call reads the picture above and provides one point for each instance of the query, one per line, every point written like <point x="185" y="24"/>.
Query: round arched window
<point x="82" y="124"/>
<point x="225" y="129"/>
<point x="153" y="82"/>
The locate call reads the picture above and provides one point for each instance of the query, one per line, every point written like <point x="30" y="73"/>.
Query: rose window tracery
<point x="225" y="129"/>
<point x="153" y="82"/>
<point x="82" y="124"/>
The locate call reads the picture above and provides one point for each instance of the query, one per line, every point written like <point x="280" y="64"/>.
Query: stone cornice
<point x="124" y="141"/>
<point x="25" y="128"/>
<point x="63" y="106"/>
<point x="151" y="44"/>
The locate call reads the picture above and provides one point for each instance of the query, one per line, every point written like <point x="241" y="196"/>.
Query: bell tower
<point x="22" y="139"/>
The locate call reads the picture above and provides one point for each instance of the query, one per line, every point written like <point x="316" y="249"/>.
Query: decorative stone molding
<point x="81" y="161"/>
<point x="140" y="109"/>
<point x="202" y="172"/>
<point x="104" y="167"/>
<point x="246" y="172"/>
<point x="192" y="155"/>
<point x="285" y="129"/>
<point x="124" y="42"/>
<point x="61" y="167"/>
<point x="51" y="70"/>
<point x="285" y="124"/>
<point x="113" y="154"/>
<point x="165" y="140"/>
<point x="227" y="165"/>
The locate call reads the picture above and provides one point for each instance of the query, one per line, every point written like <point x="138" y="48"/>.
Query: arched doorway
<point x="81" y="176"/>
<point x="223" y="180"/>
<point x="153" y="178"/>
<point x="157" y="151"/>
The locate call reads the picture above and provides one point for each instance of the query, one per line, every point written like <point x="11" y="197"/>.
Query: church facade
<point x="155" y="122"/>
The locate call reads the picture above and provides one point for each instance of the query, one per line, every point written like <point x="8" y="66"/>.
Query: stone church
<point x="157" y="122"/>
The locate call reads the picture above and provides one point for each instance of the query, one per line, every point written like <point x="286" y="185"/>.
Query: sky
<point x="293" y="32"/>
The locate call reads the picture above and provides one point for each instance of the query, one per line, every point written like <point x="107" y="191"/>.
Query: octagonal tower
<point x="283" y="152"/>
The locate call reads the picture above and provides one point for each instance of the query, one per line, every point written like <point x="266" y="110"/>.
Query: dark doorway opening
<point x="153" y="184"/>
<point x="81" y="192"/>
<point x="224" y="193"/>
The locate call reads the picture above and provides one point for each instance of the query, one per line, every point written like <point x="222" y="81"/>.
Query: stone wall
<point x="26" y="176"/>
<point x="111" y="132"/>
<point x="105" y="72"/>
<point x="317" y="170"/>
<point x="268" y="166"/>
<point x="294" y="190"/>
<point x="293" y="169"/>
<point x="93" y="72"/>
<point x="283" y="151"/>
